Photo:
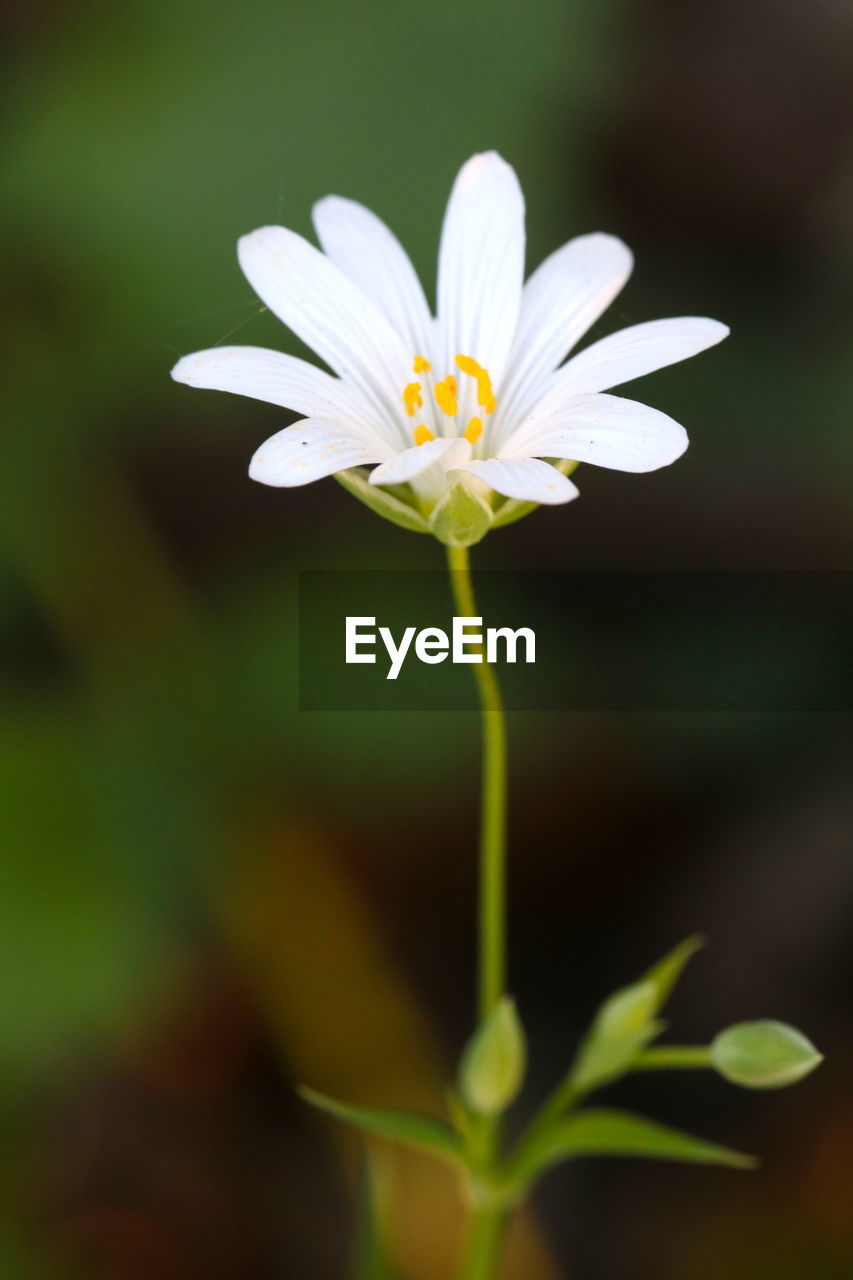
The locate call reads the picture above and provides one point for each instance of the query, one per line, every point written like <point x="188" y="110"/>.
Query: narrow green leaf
<point x="664" y="975"/>
<point x="601" y="1132"/>
<point x="411" y="1128"/>
<point x="381" y="500"/>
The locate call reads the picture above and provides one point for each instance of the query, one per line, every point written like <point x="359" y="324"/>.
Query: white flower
<point x="480" y="390"/>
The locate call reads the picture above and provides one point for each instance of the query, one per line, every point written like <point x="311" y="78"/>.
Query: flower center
<point x="446" y="396"/>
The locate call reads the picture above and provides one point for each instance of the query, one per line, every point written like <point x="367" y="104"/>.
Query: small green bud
<point x="462" y="517"/>
<point x="493" y="1064"/>
<point x="626" y="1011"/>
<point x="763" y="1055"/>
<point x="623" y="1027"/>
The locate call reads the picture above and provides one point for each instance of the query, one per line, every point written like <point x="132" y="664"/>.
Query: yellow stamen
<point x="412" y="398"/>
<point x="485" y="394"/>
<point x="474" y="430"/>
<point x="421" y="365"/>
<point x="445" y="394"/>
<point x="422" y="434"/>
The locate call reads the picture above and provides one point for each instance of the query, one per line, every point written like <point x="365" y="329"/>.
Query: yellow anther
<point x="412" y="398"/>
<point x="422" y="434"/>
<point x="474" y="430"/>
<point x="421" y="365"/>
<point x="445" y="394"/>
<point x="468" y="365"/>
<point x="485" y="394"/>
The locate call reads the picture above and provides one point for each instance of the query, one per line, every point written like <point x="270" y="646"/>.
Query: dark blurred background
<point x="207" y="895"/>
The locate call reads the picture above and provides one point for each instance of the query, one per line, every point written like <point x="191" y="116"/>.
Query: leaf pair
<point x="595" y="1132"/>
<point x="759" y="1055"/>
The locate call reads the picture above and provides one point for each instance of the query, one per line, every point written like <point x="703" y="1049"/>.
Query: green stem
<point x="492" y="906"/>
<point x="677" y="1056"/>
<point x="563" y="1100"/>
<point x="482" y="1249"/>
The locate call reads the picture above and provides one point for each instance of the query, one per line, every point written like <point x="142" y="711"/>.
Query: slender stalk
<point x="666" y="1056"/>
<point x="485" y="1232"/>
<point x="563" y="1100"/>
<point x="492" y="891"/>
<point x="482" y="1250"/>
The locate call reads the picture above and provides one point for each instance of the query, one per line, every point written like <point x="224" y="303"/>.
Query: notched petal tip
<point x="480" y="159"/>
<point x="180" y="372"/>
<point x="485" y="166"/>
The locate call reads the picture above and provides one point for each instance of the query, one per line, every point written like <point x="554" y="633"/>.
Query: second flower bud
<point x="494" y="1062"/>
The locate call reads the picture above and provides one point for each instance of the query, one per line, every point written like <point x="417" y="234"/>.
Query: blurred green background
<point x="205" y="894"/>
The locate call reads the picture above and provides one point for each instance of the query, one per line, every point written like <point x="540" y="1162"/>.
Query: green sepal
<point x="512" y="509"/>
<point x="605" y="1132"/>
<point x="764" y="1055"/>
<point x="390" y="503"/>
<point x="461" y="517"/>
<point x="665" y="974"/>
<point x="410" y="1128"/>
<point x="623" y="1026"/>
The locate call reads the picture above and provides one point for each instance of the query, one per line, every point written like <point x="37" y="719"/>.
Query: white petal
<point x="411" y="462"/>
<point x="481" y="264"/>
<point x="605" y="430"/>
<point x="326" y="310"/>
<point x="274" y="377"/>
<point x="369" y="253"/>
<point x="561" y="300"/>
<point x="526" y="478"/>
<point x="310" y="450"/>
<point x="633" y="352"/>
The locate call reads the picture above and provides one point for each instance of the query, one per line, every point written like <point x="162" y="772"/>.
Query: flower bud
<point x="763" y="1055"/>
<point x="622" y="1027"/>
<point x="627" y="1010"/>
<point x="494" y="1061"/>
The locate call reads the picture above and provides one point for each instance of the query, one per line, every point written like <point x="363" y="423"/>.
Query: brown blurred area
<point x="208" y="896"/>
